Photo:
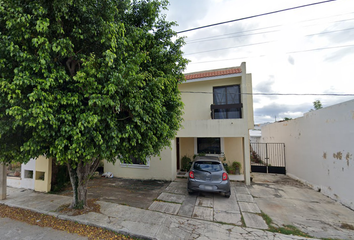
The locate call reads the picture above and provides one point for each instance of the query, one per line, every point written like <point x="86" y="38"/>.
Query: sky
<point x="302" y="51"/>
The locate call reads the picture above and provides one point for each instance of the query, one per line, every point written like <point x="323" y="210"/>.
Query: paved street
<point x="13" y="230"/>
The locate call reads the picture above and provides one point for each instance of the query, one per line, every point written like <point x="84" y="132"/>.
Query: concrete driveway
<point x="289" y="202"/>
<point x="211" y="207"/>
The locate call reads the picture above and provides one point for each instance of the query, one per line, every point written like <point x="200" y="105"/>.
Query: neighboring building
<point x="218" y="114"/>
<point x="36" y="175"/>
<point x="256" y="133"/>
<point x="319" y="149"/>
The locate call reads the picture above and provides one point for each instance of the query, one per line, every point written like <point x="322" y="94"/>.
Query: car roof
<point x="207" y="158"/>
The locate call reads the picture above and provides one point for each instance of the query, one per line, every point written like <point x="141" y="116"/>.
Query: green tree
<point x="87" y="80"/>
<point x="316" y="105"/>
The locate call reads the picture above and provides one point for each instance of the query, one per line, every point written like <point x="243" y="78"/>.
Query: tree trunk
<point x="79" y="177"/>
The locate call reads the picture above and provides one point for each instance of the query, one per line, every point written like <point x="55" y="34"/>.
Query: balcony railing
<point x="237" y="106"/>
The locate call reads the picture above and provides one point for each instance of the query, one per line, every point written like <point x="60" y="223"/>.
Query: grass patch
<point x="286" y="229"/>
<point x="243" y="222"/>
<point x="159" y="200"/>
<point x="347" y="226"/>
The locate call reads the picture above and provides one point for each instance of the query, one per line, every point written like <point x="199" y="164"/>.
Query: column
<point x="3" y="178"/>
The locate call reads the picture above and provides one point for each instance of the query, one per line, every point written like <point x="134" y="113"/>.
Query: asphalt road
<point x="11" y="229"/>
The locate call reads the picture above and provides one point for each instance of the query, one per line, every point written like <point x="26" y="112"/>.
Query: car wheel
<point x="228" y="194"/>
<point x="190" y="191"/>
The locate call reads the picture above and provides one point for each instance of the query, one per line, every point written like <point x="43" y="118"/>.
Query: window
<point x="136" y="163"/>
<point x="227" y="102"/>
<point x="209" y="145"/>
<point x="208" y="166"/>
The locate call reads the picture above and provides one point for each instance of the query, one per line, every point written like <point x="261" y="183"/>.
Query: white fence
<point x="320" y="149"/>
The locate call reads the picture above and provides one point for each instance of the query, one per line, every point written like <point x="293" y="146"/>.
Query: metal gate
<point x="268" y="157"/>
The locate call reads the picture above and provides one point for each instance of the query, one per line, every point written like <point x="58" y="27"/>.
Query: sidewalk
<point x="136" y="222"/>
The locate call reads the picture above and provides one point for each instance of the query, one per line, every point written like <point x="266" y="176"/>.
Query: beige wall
<point x="186" y="147"/>
<point x="164" y="169"/>
<point x="43" y="168"/>
<point x="197" y="105"/>
<point x="233" y="148"/>
<point x="198" y="96"/>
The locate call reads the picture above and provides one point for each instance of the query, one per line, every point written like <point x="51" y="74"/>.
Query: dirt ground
<point x="130" y="192"/>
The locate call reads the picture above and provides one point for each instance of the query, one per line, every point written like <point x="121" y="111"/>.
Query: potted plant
<point x="236" y="167"/>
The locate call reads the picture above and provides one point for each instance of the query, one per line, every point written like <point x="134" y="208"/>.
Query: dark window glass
<point x="134" y="161"/>
<point x="209" y="145"/>
<point x="207" y="166"/>
<point x="224" y="96"/>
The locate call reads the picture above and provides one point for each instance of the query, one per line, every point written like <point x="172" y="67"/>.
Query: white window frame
<point x="214" y="155"/>
<point x="132" y="165"/>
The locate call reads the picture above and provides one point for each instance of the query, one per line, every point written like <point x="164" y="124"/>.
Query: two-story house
<point x="218" y="114"/>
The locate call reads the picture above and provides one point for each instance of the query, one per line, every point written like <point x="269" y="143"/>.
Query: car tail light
<point x="224" y="176"/>
<point x="191" y="174"/>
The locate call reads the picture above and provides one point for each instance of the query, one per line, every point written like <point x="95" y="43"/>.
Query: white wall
<point x="27" y="182"/>
<point x="319" y="149"/>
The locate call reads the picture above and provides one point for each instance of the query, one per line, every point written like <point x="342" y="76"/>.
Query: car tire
<point x="228" y="194"/>
<point x="190" y="191"/>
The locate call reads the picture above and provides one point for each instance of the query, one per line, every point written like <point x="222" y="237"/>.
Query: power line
<point x="254" y="16"/>
<point x="263" y="55"/>
<point x="226" y="36"/>
<point x="260" y="43"/>
<point x="284" y="94"/>
<point x="222" y="36"/>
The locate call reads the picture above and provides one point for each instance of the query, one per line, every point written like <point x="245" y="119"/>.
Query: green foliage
<point x="60" y="177"/>
<point x="86" y="79"/>
<point x="316" y="105"/>
<point x="285" y="229"/>
<point x="186" y="163"/>
<point x="287" y="119"/>
<point x="235" y="168"/>
<point x="236" y="165"/>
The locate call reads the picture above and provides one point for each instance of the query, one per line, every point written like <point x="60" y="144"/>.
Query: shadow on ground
<point x="130" y="192"/>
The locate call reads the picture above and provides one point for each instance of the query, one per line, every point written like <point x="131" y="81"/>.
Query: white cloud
<point x="288" y="61"/>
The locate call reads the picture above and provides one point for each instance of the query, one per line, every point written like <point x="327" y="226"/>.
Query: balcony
<point x="226" y="111"/>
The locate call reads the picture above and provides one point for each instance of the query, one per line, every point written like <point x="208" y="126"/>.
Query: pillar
<point x="3" y="178"/>
<point x="247" y="160"/>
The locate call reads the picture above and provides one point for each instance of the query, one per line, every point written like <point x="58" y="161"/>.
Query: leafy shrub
<point x="186" y="163"/>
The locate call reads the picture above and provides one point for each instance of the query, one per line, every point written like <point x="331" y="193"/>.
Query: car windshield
<point x="207" y="166"/>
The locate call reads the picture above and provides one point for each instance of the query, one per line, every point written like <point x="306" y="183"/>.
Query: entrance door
<point x="177" y="151"/>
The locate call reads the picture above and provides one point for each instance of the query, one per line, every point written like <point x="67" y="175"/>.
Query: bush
<point x="186" y="163"/>
<point x="236" y="165"/>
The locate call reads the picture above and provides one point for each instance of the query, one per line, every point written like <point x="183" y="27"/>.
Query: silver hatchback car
<point x="208" y="174"/>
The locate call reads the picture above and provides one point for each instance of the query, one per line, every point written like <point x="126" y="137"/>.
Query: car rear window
<point x="207" y="166"/>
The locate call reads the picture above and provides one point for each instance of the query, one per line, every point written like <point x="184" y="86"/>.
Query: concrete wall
<point x="319" y="149"/>
<point x="43" y="174"/>
<point x="27" y="174"/>
<point x="36" y="175"/>
<point x="164" y="169"/>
